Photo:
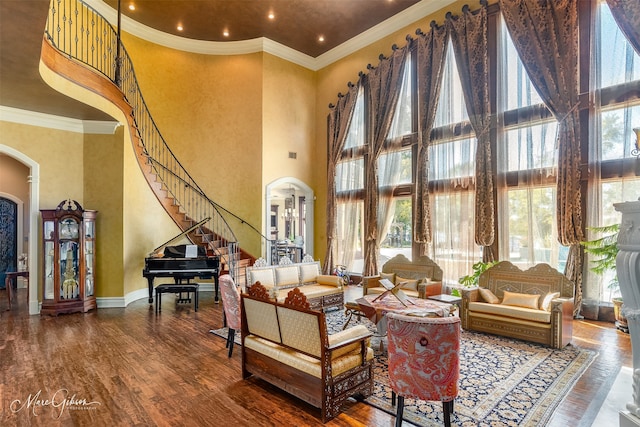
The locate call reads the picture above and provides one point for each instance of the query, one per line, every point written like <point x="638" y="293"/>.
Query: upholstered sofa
<point x="422" y="277"/>
<point x="287" y="345"/>
<point x="322" y="291"/>
<point x="533" y="305"/>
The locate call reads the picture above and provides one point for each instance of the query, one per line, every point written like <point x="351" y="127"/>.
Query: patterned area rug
<point x="503" y="382"/>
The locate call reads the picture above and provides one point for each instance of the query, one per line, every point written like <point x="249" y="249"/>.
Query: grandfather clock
<point x="68" y="234"/>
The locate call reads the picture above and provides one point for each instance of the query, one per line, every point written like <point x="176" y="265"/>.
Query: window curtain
<point x="469" y="38"/>
<point x="545" y="34"/>
<point x="383" y="85"/>
<point x="431" y="55"/>
<point x="388" y="175"/>
<point x="627" y="15"/>
<point x="339" y="121"/>
<point x="391" y="171"/>
<point x="452" y="179"/>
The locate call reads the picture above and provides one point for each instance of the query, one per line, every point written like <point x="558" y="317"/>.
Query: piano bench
<point x="177" y="289"/>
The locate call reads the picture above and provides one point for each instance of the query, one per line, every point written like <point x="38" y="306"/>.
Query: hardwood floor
<point x="167" y="370"/>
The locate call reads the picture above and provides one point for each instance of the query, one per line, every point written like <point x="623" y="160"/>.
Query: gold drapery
<point x="431" y="55"/>
<point x="382" y="88"/>
<point x="339" y="121"/>
<point x="469" y="38"/>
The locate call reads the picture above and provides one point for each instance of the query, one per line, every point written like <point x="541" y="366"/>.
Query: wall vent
<point x="293" y="155"/>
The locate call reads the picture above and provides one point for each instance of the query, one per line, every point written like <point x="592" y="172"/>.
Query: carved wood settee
<point x="534" y="305"/>
<point x="423" y="277"/>
<point x="322" y="290"/>
<point x="287" y="345"/>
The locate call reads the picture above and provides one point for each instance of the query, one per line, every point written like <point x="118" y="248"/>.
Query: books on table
<point x="394" y="290"/>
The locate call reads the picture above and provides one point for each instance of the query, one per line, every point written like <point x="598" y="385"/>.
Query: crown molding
<point x="397" y="22"/>
<point x="263" y="44"/>
<point x="32" y="118"/>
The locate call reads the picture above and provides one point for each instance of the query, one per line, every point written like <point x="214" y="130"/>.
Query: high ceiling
<point x="297" y="24"/>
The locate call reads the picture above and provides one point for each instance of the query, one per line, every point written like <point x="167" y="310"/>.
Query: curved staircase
<point x="82" y="47"/>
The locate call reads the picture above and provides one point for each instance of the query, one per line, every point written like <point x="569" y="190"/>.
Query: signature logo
<point x="60" y="401"/>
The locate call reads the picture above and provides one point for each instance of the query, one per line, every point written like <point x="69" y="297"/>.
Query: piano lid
<point x="156" y="253"/>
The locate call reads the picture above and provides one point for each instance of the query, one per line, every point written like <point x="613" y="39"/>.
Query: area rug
<point x="503" y="382"/>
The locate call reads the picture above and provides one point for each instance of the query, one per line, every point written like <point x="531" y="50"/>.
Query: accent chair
<point x="424" y="360"/>
<point x="231" y="305"/>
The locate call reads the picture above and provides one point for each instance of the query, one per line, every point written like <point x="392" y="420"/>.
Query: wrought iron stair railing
<point x="82" y="34"/>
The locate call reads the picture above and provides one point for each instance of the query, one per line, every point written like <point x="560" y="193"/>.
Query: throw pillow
<point x="309" y="272"/>
<point x="264" y="276"/>
<point x="389" y="276"/>
<point x="545" y="304"/>
<point x="488" y="296"/>
<point x="409" y="284"/>
<point x="520" y="300"/>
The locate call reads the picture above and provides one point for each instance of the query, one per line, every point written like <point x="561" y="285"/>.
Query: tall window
<point x="615" y="74"/>
<point x="452" y="179"/>
<point x="526" y="167"/>
<point x="395" y="179"/>
<point x="395" y="176"/>
<point x="350" y="193"/>
<point x="525" y="157"/>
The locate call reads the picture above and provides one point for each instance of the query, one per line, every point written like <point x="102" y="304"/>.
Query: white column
<point x="628" y="269"/>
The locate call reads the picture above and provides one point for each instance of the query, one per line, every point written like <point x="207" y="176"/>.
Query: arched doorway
<point x="289" y="212"/>
<point x="32" y="218"/>
<point x="8" y="236"/>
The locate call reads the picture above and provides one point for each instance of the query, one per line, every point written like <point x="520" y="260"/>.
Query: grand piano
<point x="182" y="262"/>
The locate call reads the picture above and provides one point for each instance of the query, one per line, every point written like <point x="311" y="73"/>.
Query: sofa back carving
<point x="284" y="276"/>
<point x="540" y="279"/>
<point x="422" y="277"/>
<point x="550" y="323"/>
<point x="421" y="268"/>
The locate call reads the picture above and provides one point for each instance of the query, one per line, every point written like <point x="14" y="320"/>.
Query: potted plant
<point x="471" y="280"/>
<point x="606" y="249"/>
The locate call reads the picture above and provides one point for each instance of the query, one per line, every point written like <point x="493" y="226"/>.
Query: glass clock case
<point x="68" y="234"/>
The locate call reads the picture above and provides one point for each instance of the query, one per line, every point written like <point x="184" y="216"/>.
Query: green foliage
<point x="471" y="280"/>
<point x="606" y="249"/>
<point x="403" y="212"/>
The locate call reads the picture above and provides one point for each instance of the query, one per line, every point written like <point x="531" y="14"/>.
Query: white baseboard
<point x="122" y="302"/>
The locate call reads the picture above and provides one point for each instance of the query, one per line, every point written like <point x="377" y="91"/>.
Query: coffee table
<point x="449" y="299"/>
<point x="376" y="309"/>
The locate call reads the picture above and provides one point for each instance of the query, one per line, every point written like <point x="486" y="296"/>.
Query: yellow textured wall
<point x="103" y="170"/>
<point x="209" y="110"/>
<point x="13" y="178"/>
<point x="59" y="154"/>
<point x="289" y="115"/>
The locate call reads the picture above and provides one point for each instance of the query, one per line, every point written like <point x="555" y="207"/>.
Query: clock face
<point x="68" y="229"/>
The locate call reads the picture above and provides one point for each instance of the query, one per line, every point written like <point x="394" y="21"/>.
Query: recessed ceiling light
<point x="132" y="7"/>
<point x="320" y="39"/>
<point x="225" y="32"/>
<point x="179" y="27"/>
<point x="271" y="15"/>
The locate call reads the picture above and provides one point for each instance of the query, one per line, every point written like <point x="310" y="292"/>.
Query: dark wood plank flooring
<point x="144" y="369"/>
